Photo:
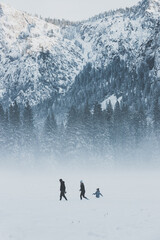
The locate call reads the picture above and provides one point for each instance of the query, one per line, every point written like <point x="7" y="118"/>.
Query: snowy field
<point x="30" y="208"/>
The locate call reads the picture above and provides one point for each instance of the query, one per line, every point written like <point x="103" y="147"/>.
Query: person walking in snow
<point x="62" y="189"/>
<point x="97" y="193"/>
<point x="82" y="190"/>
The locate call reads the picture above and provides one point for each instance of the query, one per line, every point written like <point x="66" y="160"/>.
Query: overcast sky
<point x="68" y="9"/>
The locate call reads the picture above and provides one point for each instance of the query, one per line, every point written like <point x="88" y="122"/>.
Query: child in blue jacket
<point x="97" y="193"/>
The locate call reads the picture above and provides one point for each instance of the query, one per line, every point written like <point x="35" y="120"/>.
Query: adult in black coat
<point x="82" y="190"/>
<point x="62" y="189"/>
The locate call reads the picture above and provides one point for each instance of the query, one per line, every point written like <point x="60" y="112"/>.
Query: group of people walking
<point x="82" y="191"/>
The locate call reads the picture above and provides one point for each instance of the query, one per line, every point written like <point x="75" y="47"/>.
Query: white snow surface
<point x="113" y="99"/>
<point x="129" y="209"/>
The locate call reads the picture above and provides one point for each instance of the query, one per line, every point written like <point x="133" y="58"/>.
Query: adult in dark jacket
<point x="82" y="190"/>
<point x="62" y="189"/>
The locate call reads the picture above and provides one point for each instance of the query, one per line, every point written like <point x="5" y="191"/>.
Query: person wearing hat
<point x="62" y="189"/>
<point x="82" y="190"/>
<point x="97" y="193"/>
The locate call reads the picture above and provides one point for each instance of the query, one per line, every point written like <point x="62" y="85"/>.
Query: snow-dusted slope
<point x="39" y="59"/>
<point x="123" y="47"/>
<point x="124" y="32"/>
<point x="35" y="60"/>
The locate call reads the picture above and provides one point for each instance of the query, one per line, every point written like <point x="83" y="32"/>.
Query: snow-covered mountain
<point x="36" y="59"/>
<point x="124" y="32"/>
<point x="41" y="61"/>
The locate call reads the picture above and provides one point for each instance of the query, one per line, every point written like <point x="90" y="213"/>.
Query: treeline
<point x="127" y="12"/>
<point x="17" y="132"/>
<point x="115" y="135"/>
<point x="61" y="22"/>
<point x="135" y="86"/>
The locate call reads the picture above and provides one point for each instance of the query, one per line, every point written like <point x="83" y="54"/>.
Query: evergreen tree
<point x="28" y="124"/>
<point x="7" y="132"/>
<point x="117" y="121"/>
<point x="73" y="136"/>
<point x="86" y="115"/>
<point x="97" y="112"/>
<point x="50" y="140"/>
<point x="98" y="132"/>
<point x="117" y="131"/>
<point x="2" y="129"/>
<point x="109" y="112"/>
<point x="2" y="114"/>
<point x="14" y="130"/>
<point x="86" y="132"/>
<point x="72" y="117"/>
<point x="50" y="124"/>
<point x="108" y="116"/>
<point x="14" y="115"/>
<point x="127" y="139"/>
<point x="139" y="125"/>
<point x="29" y="144"/>
<point x="156" y="115"/>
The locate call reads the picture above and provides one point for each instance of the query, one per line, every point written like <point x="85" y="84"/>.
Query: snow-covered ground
<point x="30" y="208"/>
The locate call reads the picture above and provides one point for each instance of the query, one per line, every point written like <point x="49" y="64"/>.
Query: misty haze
<point x="80" y="102"/>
